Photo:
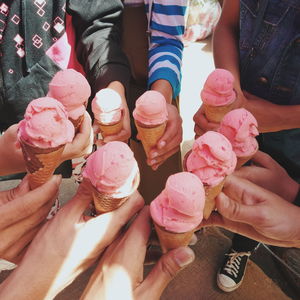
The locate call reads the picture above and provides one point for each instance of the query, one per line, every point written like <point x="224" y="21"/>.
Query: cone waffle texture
<point x="211" y="192"/>
<point x="171" y="240"/>
<point x="40" y="163"/>
<point x="77" y="123"/>
<point x="216" y="113"/>
<point x="111" y="129"/>
<point x="150" y="135"/>
<point x="105" y="202"/>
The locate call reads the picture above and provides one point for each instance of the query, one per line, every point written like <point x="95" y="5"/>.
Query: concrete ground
<point x="264" y="279"/>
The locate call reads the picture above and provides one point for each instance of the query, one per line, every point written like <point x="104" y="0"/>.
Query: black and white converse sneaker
<point x="231" y="274"/>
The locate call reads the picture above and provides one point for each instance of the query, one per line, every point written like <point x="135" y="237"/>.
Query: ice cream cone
<point x="242" y="160"/>
<point x="40" y="163"/>
<point x="77" y="123"/>
<point x="110" y="129"/>
<point x="216" y="113"/>
<point x="172" y="240"/>
<point x="150" y="135"/>
<point x="211" y="192"/>
<point x="105" y="202"/>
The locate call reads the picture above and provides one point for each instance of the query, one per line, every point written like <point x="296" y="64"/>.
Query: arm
<point x="270" y="117"/>
<point x="98" y="41"/>
<point x="225" y="40"/>
<point x="98" y="49"/>
<point x="165" y="57"/>
<point x="226" y="56"/>
<point x="166" y="46"/>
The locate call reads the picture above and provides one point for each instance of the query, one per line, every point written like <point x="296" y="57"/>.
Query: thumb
<point x="236" y="211"/>
<point x="164" y="271"/>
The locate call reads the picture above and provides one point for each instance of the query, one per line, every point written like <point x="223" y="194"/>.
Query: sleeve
<point x="166" y="26"/>
<point x="97" y="27"/>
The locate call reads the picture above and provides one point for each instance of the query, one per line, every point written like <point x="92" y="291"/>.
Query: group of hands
<point x="255" y="202"/>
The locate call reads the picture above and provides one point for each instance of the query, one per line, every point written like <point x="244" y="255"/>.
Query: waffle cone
<point x="211" y="192"/>
<point x="110" y="129"/>
<point x="105" y="202"/>
<point x="40" y="163"/>
<point x="216" y="113"/>
<point x="150" y="135"/>
<point x="172" y="240"/>
<point x="77" y="123"/>
<point x="242" y="160"/>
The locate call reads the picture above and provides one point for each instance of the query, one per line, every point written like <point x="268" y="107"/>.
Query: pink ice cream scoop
<point x="46" y="124"/>
<point x="112" y="169"/>
<point x="240" y="128"/>
<point x="72" y="89"/>
<point x="211" y="158"/>
<point x="179" y="207"/>
<point x="218" y="88"/>
<point x="107" y="106"/>
<point x="151" y="109"/>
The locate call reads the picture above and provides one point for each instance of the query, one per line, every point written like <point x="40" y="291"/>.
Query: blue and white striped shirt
<point x="166" y="26"/>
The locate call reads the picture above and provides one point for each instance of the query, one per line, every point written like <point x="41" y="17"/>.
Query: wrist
<point x="164" y="87"/>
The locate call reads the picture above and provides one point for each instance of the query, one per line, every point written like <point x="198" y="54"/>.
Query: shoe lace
<point x="233" y="264"/>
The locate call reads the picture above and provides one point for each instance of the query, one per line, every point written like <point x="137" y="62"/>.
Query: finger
<point x="247" y="230"/>
<point x="163" y="272"/>
<point x="198" y="131"/>
<point x="20" y="190"/>
<point x="133" y="244"/>
<point x="17" y="248"/>
<point x="13" y="233"/>
<point x="83" y="140"/>
<point x="31" y="202"/>
<point x="157" y="161"/>
<point x="264" y="160"/>
<point x="232" y="210"/>
<point x="80" y="201"/>
<point x="102" y="225"/>
<point x="242" y="190"/>
<point x="122" y="136"/>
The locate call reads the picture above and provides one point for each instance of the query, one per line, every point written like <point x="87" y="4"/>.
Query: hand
<point x="66" y="246"/>
<point x="252" y="211"/>
<point x="202" y="124"/>
<point x="22" y="213"/>
<point x="82" y="143"/>
<point x="122" y="136"/>
<point x="120" y="271"/>
<point x="125" y="133"/>
<point x="169" y="143"/>
<point x="267" y="173"/>
<point x="11" y="156"/>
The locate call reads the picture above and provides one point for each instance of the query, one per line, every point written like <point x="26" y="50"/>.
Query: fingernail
<point x="184" y="256"/>
<point x="154" y="154"/>
<point x="153" y="162"/>
<point x="162" y="144"/>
